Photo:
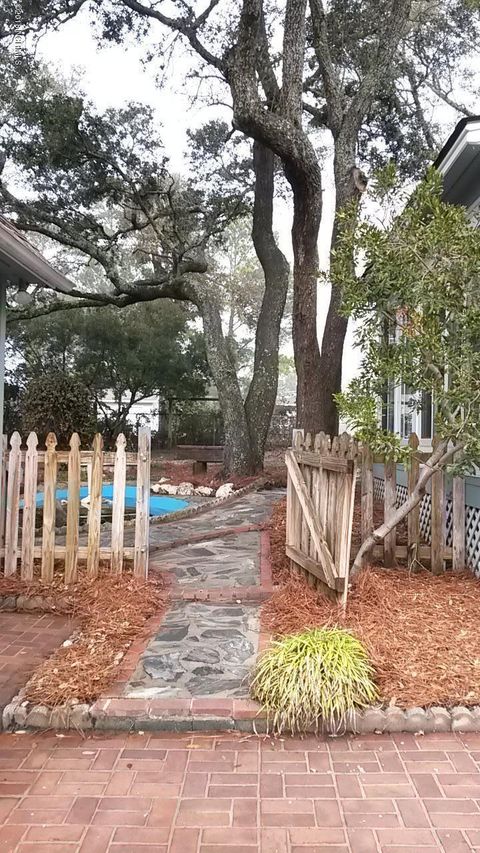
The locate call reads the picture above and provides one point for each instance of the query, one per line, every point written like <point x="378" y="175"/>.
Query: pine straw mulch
<point x="109" y="613"/>
<point x="421" y="631"/>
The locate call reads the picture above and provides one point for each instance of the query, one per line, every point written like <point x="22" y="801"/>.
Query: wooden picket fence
<point x="321" y="476"/>
<point x="25" y="472"/>
<point x="414" y="551"/>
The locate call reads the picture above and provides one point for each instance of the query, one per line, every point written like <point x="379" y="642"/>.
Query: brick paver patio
<point x="25" y="640"/>
<point x="142" y="793"/>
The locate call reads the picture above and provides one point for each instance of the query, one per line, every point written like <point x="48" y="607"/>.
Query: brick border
<point x="115" y="712"/>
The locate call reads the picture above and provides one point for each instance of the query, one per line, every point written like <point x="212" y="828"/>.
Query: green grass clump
<point x="313" y="679"/>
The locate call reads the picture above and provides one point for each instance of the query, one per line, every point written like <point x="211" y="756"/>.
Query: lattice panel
<point x="426" y="519"/>
<point x="378" y="488"/>
<point x="472" y="538"/>
<point x="472" y="522"/>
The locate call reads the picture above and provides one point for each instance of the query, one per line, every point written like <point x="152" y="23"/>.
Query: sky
<point x="114" y="75"/>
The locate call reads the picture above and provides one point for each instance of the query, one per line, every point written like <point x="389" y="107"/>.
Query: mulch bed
<point x="110" y="612"/>
<point x="421" y="630"/>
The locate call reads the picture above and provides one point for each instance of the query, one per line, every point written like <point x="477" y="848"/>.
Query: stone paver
<point x="235" y="794"/>
<point x="219" y="563"/>
<point x="200" y="650"/>
<point x="253" y="508"/>
<point x="25" y="640"/>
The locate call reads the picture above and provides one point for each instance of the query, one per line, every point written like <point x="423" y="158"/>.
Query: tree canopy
<point x="418" y="322"/>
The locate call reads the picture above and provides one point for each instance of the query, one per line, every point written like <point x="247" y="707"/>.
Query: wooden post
<point x="29" y="506"/>
<point x="95" y="508"/>
<point x="142" y="518"/>
<point x="3" y="489"/>
<point x="73" y="510"/>
<point x="437" y="522"/>
<point x="13" y="502"/>
<point x="342" y="512"/>
<point x="390" y="499"/>
<point x="296" y="514"/>
<point x="331" y="499"/>
<point x="118" y="509"/>
<point x="458" y="524"/>
<point x="50" y="482"/>
<point x="367" y="493"/>
<point x="413" y="518"/>
<point x="305" y="533"/>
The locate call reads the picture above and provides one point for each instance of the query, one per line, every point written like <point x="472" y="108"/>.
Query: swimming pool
<point x="159" y="505"/>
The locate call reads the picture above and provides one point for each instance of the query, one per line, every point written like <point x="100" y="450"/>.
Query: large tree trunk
<point x="349" y="185"/>
<point x="307" y="207"/>
<point x="261" y="397"/>
<point x="238" y="454"/>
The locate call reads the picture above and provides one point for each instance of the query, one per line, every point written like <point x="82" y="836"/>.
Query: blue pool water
<point x="159" y="505"/>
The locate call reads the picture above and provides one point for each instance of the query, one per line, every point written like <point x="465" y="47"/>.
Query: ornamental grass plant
<point x="312" y="680"/>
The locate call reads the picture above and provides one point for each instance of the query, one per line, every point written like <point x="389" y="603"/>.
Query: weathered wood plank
<point x="437" y="521"/>
<point x="13" y="504"/>
<point x="3" y="487"/>
<point x="95" y="508"/>
<point x="313" y="522"/>
<point x="118" y="509"/>
<point x="390" y="500"/>
<point x="142" y="518"/>
<point x="329" y="463"/>
<point x="366" y="493"/>
<point x="29" y="507"/>
<point x="423" y="552"/>
<point x="314" y="568"/>
<point x="73" y="510"/>
<point x="342" y="509"/>
<point x="458" y="525"/>
<point x="60" y="551"/>
<point x="50" y="482"/>
<point x="413" y="517"/>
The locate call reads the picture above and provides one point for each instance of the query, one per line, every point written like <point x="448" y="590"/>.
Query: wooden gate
<point x="29" y="533"/>
<point x="424" y="541"/>
<point x="320" y="500"/>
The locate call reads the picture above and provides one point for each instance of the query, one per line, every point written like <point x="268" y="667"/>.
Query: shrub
<point x="58" y="403"/>
<point x="316" y="677"/>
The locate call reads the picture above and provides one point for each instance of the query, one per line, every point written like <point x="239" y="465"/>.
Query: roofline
<point x="459" y="128"/>
<point x="18" y="251"/>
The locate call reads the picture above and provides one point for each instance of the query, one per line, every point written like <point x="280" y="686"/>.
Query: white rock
<point x="204" y="491"/>
<point x="186" y="489"/>
<point x="163" y="480"/>
<point x="168" y="490"/>
<point x="224" y="491"/>
<point x="156" y="488"/>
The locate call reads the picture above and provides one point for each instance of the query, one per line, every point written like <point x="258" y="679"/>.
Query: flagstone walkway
<point x="208" y="641"/>
<point x="229" y="793"/>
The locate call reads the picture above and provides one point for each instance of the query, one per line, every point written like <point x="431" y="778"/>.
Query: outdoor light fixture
<point x="22" y="296"/>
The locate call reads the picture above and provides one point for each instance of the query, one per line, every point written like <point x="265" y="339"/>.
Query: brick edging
<point x="212" y="503"/>
<point x="211" y="714"/>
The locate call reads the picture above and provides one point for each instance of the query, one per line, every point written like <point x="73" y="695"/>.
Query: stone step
<point x="201" y="649"/>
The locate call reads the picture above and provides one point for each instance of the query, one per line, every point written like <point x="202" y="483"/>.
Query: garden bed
<point x="110" y="612"/>
<point x="421" y="631"/>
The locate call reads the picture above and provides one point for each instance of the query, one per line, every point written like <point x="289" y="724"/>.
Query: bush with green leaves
<point x="59" y="403"/>
<point x="313" y="679"/>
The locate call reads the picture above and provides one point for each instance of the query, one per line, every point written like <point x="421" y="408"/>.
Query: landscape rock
<point x="166" y="489"/>
<point x="204" y="491"/>
<point x="224" y="491"/>
<point x="38" y="717"/>
<point x="441" y="720"/>
<point x="372" y="720"/>
<point x="416" y="720"/>
<point x="80" y="717"/>
<point x="156" y="488"/>
<point x="163" y="480"/>
<point x="395" y="719"/>
<point x="463" y="720"/>
<point x="186" y="489"/>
